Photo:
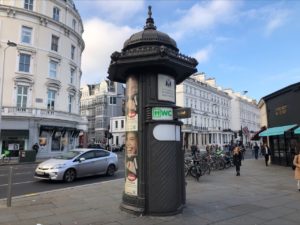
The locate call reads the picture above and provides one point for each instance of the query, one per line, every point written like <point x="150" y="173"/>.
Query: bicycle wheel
<point x="205" y="168"/>
<point x="195" y="172"/>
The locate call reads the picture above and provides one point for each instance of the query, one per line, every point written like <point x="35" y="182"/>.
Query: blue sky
<point x="250" y="45"/>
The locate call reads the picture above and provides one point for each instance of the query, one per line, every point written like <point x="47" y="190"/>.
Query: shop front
<point x="14" y="141"/>
<point x="283" y="142"/>
<point x="282" y="119"/>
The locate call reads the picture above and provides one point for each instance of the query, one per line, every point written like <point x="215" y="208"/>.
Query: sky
<point x="246" y="45"/>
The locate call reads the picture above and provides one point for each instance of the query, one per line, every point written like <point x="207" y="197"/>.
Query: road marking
<point x="4" y="175"/>
<point x="25" y="182"/>
<point x="61" y="189"/>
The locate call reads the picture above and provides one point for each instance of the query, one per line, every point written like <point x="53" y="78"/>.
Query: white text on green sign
<point x="162" y="113"/>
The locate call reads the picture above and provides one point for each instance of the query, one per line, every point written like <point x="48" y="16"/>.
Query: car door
<point x="86" y="166"/>
<point x="101" y="161"/>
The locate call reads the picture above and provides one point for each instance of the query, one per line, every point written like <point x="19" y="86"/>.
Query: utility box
<point x="27" y="156"/>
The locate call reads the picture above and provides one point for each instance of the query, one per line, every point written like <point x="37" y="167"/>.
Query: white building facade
<point x="210" y="120"/>
<point x="245" y="117"/>
<point x="99" y="103"/>
<point x="117" y="125"/>
<point x="217" y="114"/>
<point x="40" y="79"/>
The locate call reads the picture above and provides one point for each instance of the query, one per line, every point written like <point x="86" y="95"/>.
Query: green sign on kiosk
<point x="162" y="113"/>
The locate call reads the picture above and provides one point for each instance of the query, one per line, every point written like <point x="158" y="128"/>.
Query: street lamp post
<point x="9" y="44"/>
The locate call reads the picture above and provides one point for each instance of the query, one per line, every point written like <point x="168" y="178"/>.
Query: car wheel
<point x="110" y="170"/>
<point x="70" y="175"/>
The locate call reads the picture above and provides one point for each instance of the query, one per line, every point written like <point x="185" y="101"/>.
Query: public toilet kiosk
<point x="150" y="64"/>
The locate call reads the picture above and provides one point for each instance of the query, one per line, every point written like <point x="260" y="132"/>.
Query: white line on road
<point x="61" y="189"/>
<point x="5" y="175"/>
<point x="25" y="182"/>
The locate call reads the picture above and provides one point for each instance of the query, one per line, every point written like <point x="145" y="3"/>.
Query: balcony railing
<point x="43" y="113"/>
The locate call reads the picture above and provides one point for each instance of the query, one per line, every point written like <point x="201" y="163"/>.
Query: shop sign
<point x="162" y="113"/>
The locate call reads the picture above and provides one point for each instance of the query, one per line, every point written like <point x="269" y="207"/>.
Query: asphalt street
<point x="24" y="183"/>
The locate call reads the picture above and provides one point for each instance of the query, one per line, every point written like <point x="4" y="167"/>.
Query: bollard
<point x="8" y="202"/>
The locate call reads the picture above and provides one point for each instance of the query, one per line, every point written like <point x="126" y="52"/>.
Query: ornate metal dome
<point x="153" y="50"/>
<point x="149" y="36"/>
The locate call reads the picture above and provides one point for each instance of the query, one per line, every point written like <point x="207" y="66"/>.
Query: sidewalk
<point x="262" y="195"/>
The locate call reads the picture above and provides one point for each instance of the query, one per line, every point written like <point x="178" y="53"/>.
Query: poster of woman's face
<point x="131" y="97"/>
<point x="131" y="144"/>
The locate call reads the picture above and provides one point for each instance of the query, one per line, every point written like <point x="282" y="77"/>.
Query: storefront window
<point x="56" y="141"/>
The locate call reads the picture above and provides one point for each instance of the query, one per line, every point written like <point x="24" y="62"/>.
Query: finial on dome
<point x="149" y="21"/>
<point x="149" y="11"/>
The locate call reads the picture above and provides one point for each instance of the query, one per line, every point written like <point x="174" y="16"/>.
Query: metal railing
<point x="35" y="112"/>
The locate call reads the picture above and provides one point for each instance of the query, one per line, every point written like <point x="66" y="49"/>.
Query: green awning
<point x="273" y="131"/>
<point x="297" y="131"/>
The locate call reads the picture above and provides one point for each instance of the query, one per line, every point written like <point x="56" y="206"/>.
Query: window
<point x="56" y="13"/>
<point x="28" y="4"/>
<point x="122" y="123"/>
<point x="116" y="124"/>
<point x="99" y="154"/>
<point x="113" y="100"/>
<point x="117" y="140"/>
<point x="70" y="103"/>
<point x="26" y="35"/>
<point x="51" y="100"/>
<point x="22" y="92"/>
<point x="54" y="43"/>
<point x="53" y="69"/>
<point x="72" y="75"/>
<point x="74" y="24"/>
<point x="24" y="63"/>
<point x="88" y="155"/>
<point x="72" y="52"/>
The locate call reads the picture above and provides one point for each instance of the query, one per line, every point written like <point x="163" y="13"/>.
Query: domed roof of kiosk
<point x="150" y="36"/>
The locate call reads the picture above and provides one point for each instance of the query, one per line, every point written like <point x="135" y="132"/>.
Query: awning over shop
<point x="297" y="131"/>
<point x="256" y="137"/>
<point x="53" y="129"/>
<point x="273" y="131"/>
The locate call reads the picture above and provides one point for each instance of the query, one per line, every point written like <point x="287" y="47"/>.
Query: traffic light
<point x="109" y="136"/>
<point x="106" y="134"/>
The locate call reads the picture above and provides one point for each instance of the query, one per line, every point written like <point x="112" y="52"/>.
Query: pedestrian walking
<point x="36" y="147"/>
<point x="237" y="159"/>
<point x="296" y="163"/>
<point x="266" y="152"/>
<point x="256" y="149"/>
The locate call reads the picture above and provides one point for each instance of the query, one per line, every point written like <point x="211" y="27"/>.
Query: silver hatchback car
<point x="78" y="163"/>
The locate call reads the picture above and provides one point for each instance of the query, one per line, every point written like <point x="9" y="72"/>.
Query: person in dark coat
<point x="36" y="147"/>
<point x="256" y="148"/>
<point x="237" y="159"/>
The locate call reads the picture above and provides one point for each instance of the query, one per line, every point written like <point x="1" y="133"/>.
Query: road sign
<point x="182" y="113"/>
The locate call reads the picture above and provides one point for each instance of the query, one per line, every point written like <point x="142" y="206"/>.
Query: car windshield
<point x="68" y="155"/>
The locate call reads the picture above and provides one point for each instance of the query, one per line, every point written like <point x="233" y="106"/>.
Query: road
<point x="24" y="183"/>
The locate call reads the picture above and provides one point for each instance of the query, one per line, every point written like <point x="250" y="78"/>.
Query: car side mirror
<point x="81" y="159"/>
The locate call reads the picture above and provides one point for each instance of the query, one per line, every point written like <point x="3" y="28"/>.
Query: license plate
<point x="40" y="173"/>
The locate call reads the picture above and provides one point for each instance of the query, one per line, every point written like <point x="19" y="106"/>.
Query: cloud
<point x="271" y="17"/>
<point x="101" y="40"/>
<point x="203" y="54"/>
<point x="277" y="19"/>
<point x="119" y="10"/>
<point x="203" y="16"/>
